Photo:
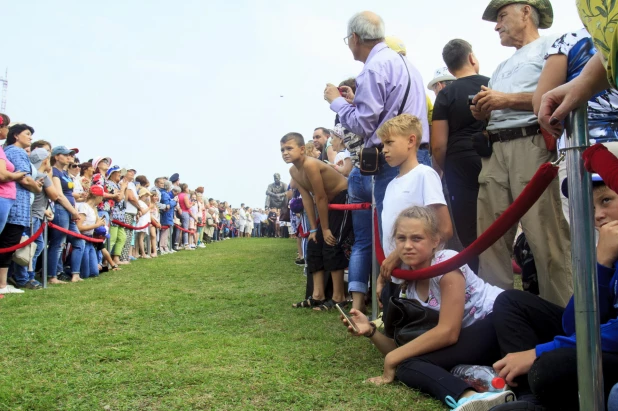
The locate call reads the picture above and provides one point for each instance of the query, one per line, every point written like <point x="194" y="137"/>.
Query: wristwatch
<point x="373" y="330"/>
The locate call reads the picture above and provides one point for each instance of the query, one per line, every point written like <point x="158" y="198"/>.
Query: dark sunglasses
<point x="74" y="166"/>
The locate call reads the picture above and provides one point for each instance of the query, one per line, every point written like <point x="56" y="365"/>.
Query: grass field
<point x="209" y="329"/>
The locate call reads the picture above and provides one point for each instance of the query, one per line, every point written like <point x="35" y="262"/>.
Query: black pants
<point x="430" y="373"/>
<point x="523" y="321"/>
<point x="462" y="179"/>
<point x="10" y="236"/>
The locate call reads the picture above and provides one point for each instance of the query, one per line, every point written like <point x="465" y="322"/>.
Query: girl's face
<point x="146" y="199"/>
<point x="4" y="131"/>
<point x="103" y="166"/>
<point x="23" y="139"/>
<point x="414" y="246"/>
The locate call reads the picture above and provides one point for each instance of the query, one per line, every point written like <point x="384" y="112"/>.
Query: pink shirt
<point x="7" y="190"/>
<point x="181" y="201"/>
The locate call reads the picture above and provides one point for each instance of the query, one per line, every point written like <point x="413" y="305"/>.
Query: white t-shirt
<point x="519" y="74"/>
<point x="421" y="186"/>
<point x="130" y="208"/>
<point x="144" y="219"/>
<point x="480" y="296"/>
<point x="341" y="156"/>
<point x="91" y="216"/>
<point x="242" y="216"/>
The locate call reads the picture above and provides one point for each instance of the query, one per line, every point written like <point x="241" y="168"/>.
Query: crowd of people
<point x="449" y="170"/>
<point x="101" y="215"/>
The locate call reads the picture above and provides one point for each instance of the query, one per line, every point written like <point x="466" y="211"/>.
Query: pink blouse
<point x="7" y="190"/>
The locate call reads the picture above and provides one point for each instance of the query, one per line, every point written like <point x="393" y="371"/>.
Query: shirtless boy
<point x="319" y="182"/>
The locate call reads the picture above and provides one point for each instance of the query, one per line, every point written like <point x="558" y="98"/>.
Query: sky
<point x="207" y="88"/>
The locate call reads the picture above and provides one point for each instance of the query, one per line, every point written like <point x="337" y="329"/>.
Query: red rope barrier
<point x="165" y="227"/>
<point x="301" y="233"/>
<point x="130" y="227"/>
<point x="77" y="235"/>
<point x="25" y="243"/>
<point x="182" y="229"/>
<point x="531" y="193"/>
<point x="352" y="207"/>
<point x="598" y="159"/>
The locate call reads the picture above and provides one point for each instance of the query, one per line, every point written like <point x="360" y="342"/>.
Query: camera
<point x="470" y="98"/>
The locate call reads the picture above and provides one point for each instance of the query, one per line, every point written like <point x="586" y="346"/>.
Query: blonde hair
<point x="403" y="125"/>
<point x="426" y="215"/>
<point x="310" y="149"/>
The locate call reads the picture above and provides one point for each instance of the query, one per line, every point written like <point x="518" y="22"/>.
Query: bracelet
<point x="373" y="330"/>
<point x="313" y="231"/>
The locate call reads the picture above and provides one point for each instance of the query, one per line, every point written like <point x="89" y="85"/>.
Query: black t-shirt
<point x="272" y="217"/>
<point x="452" y="105"/>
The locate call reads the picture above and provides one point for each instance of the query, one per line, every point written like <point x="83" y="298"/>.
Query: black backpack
<point x="525" y="259"/>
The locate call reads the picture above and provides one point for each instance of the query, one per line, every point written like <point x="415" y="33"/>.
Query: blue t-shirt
<point x="66" y="183"/>
<point x="20" y="210"/>
<point x="602" y="108"/>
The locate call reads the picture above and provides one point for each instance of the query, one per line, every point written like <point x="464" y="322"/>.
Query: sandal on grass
<point x="308" y="303"/>
<point x="327" y="306"/>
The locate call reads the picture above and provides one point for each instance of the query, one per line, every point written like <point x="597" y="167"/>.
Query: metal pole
<point x="375" y="268"/>
<point x="583" y="258"/>
<point x="44" y="270"/>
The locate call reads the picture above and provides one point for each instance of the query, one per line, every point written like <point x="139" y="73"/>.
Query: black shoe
<point x="64" y="277"/>
<point x="30" y="285"/>
<point x="518" y="406"/>
<point x="300" y="261"/>
<point x="12" y="281"/>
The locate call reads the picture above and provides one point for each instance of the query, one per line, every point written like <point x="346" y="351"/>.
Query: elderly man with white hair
<point x="387" y="86"/>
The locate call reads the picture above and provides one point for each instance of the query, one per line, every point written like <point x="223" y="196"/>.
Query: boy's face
<point x="290" y="151"/>
<point x="605" y="203"/>
<point x="397" y="148"/>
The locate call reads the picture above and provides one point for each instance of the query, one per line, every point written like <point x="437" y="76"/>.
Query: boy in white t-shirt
<point x="415" y="185"/>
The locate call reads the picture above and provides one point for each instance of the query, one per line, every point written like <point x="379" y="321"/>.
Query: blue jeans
<point x="424" y="157"/>
<point x="62" y="218"/>
<point x="5" y="207"/>
<point x="184" y="219"/>
<point x="257" y="232"/>
<point x="21" y="273"/>
<point x="359" y="191"/>
<point x="90" y="262"/>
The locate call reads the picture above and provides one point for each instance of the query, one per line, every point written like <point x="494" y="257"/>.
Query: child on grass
<point x="416" y="184"/>
<point x="320" y="182"/>
<point x="465" y="330"/>
<point x="89" y="220"/>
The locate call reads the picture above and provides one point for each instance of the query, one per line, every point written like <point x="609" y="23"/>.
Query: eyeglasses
<point x="347" y="38"/>
<point x="106" y="161"/>
<point x="74" y="166"/>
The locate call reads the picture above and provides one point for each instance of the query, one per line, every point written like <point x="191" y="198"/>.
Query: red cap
<point x="75" y="149"/>
<point x="97" y="190"/>
<point x="498" y="383"/>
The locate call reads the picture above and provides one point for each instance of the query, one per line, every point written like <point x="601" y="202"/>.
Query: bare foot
<point x="54" y="280"/>
<point x="144" y="256"/>
<point x="154" y="255"/>
<point x="76" y="278"/>
<point x="123" y="262"/>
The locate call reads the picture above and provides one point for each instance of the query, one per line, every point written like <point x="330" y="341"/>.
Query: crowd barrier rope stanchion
<point x="583" y="258"/>
<point x="184" y="229"/>
<point x="130" y="227"/>
<point x="77" y="235"/>
<point x="511" y="216"/>
<point x="29" y="241"/>
<point x="45" y="242"/>
<point x="375" y="267"/>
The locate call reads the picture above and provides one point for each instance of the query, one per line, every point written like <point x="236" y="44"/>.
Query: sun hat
<point x="441" y="74"/>
<point x="395" y="44"/>
<point x="144" y="192"/>
<point x="97" y="160"/>
<point x="112" y="169"/>
<point x="546" y="13"/>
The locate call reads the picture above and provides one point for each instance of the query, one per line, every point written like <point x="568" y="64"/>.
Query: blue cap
<point x="111" y="170"/>
<point x="61" y="150"/>
<point x="565" y="184"/>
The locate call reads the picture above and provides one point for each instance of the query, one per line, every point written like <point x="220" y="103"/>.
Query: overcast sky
<point x="207" y="88"/>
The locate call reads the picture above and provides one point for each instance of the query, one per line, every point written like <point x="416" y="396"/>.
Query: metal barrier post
<point x="44" y="270"/>
<point x="583" y="257"/>
<point x="375" y="268"/>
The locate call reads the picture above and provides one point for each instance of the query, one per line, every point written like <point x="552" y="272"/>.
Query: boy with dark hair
<point x="537" y="337"/>
<point x="320" y="182"/>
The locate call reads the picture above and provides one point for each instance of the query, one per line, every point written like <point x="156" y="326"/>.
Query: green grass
<point x="210" y="329"/>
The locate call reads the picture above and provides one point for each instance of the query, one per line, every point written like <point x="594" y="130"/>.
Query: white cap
<point x="441" y="74"/>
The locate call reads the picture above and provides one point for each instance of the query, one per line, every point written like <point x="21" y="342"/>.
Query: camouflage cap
<point x="544" y="8"/>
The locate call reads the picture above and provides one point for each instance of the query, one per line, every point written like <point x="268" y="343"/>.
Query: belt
<point x="424" y="146"/>
<point x="507" y="134"/>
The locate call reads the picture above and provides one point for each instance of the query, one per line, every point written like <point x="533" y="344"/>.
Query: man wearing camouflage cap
<point x="519" y="149"/>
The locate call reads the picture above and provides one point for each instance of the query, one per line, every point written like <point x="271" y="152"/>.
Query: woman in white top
<point x="464" y="334"/>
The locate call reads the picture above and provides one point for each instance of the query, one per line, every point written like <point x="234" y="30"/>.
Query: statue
<point x="275" y="193"/>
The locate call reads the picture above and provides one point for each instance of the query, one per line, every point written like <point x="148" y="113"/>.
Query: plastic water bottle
<point x="481" y="378"/>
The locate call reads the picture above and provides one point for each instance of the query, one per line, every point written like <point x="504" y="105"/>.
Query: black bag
<point x="369" y="157"/>
<point x="482" y="145"/>
<point x="407" y="319"/>
<point x="525" y="260"/>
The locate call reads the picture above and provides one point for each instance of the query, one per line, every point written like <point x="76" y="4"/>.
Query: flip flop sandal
<point x="327" y="306"/>
<point x="308" y="303"/>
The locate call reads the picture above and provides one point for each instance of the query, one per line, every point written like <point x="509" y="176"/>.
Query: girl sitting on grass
<point x="464" y="334"/>
<point x="89" y="220"/>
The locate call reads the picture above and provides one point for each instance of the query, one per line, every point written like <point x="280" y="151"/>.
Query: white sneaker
<point x="201" y="245"/>
<point x="480" y="402"/>
<point x="9" y="289"/>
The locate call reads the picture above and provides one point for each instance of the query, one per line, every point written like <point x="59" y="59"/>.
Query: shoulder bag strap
<point x="405" y="96"/>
